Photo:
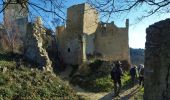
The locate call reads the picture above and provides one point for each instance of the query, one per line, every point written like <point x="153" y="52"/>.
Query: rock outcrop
<point x="157" y="61"/>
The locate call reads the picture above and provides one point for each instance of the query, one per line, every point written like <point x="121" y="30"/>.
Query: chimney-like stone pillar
<point x="127" y="23"/>
<point x="84" y="47"/>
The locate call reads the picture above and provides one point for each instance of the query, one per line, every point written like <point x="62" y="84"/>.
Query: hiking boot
<point x="118" y="95"/>
<point x="114" y="95"/>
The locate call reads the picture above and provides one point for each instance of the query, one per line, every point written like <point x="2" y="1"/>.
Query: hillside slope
<point x="24" y="82"/>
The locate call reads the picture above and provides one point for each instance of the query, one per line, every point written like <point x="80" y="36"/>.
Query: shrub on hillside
<point x="98" y="79"/>
<point x="30" y="83"/>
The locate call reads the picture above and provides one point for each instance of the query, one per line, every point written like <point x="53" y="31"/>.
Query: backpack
<point x="141" y="72"/>
<point x="113" y="73"/>
<point x="133" y="71"/>
<point x="116" y="73"/>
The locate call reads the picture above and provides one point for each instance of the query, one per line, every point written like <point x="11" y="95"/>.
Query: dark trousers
<point x="141" y="80"/>
<point x="133" y="80"/>
<point x="117" y="86"/>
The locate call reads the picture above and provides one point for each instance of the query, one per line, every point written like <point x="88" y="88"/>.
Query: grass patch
<point x="25" y="83"/>
<point x="139" y="95"/>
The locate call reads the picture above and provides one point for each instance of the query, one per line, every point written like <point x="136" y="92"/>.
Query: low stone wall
<point x="157" y="61"/>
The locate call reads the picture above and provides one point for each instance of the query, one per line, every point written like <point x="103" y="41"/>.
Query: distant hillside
<point x="137" y="56"/>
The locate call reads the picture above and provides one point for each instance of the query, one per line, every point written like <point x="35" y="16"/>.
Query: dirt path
<point x="124" y="95"/>
<point x="128" y="94"/>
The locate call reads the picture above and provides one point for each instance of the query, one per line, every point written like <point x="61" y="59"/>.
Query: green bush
<point x="95" y="65"/>
<point x="93" y="83"/>
<point x="98" y="80"/>
<point x="43" y="92"/>
<point x="139" y="95"/>
<point x="3" y="80"/>
<point x="5" y="92"/>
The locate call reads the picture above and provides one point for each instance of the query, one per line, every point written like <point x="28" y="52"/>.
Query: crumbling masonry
<point x="34" y="50"/>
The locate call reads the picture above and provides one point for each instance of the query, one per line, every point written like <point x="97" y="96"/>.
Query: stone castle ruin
<point x="84" y="37"/>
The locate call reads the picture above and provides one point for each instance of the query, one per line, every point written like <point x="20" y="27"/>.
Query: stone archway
<point x="157" y="61"/>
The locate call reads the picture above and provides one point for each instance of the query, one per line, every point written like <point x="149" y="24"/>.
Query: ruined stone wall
<point x="90" y="47"/>
<point x="69" y="46"/>
<point x="15" y="23"/>
<point x="157" y="61"/>
<point x="16" y="18"/>
<point x="111" y="42"/>
<point x="34" y="50"/>
<point x="4" y="45"/>
<point x="8" y="44"/>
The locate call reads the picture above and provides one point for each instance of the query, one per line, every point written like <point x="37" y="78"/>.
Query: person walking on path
<point x="116" y="75"/>
<point x="133" y="74"/>
<point x="141" y="76"/>
<point x="139" y="67"/>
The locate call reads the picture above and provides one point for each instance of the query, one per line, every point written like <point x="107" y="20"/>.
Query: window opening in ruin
<point x="104" y="30"/>
<point x="68" y="49"/>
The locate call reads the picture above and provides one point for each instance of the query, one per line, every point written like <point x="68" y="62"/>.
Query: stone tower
<point x="82" y="18"/>
<point x="15" y="22"/>
<point x="82" y="22"/>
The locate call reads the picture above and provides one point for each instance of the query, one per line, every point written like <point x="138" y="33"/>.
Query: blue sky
<point x="136" y="30"/>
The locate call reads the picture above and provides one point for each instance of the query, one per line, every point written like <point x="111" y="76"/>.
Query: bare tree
<point x="46" y="6"/>
<point x="150" y="7"/>
<point x="105" y="7"/>
<point x="12" y="38"/>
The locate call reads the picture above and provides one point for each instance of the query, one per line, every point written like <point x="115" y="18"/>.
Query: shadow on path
<point x="128" y="94"/>
<point x="107" y="97"/>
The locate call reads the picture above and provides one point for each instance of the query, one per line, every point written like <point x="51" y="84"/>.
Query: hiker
<point x="133" y="74"/>
<point x="116" y="74"/>
<point x="139" y="67"/>
<point x="141" y="76"/>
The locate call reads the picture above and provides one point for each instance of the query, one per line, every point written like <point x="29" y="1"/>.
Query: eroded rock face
<point x="34" y="50"/>
<point x="157" y="61"/>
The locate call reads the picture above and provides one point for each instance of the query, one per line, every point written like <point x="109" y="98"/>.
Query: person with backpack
<point x="133" y="74"/>
<point x="139" y="67"/>
<point x="141" y="76"/>
<point x="116" y="75"/>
